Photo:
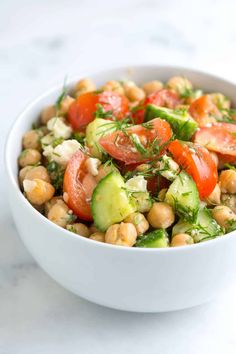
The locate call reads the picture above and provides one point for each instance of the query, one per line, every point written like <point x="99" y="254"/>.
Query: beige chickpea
<point x="221" y="101"/>
<point x="93" y="229"/>
<point x="179" y="84"/>
<point x="51" y="202"/>
<point x="139" y="221"/>
<point x="152" y="86"/>
<point x="79" y="229"/>
<point x="162" y="194"/>
<point x="39" y="172"/>
<point x="229" y="200"/>
<point x="143" y="167"/>
<point x="65" y="104"/>
<point x="23" y="172"/>
<point x="31" y="139"/>
<point x="113" y="85"/>
<point x="228" y="181"/>
<point x="29" y="157"/>
<point x="161" y="215"/>
<point x="214" y="197"/>
<point x="48" y="113"/>
<point x="38" y="191"/>
<point x="215" y="158"/>
<point x="102" y="172"/>
<point x="135" y="93"/>
<point x="223" y="215"/>
<point x="84" y="86"/>
<point x="123" y="234"/>
<point x="60" y="214"/>
<point x="181" y="240"/>
<point x="98" y="236"/>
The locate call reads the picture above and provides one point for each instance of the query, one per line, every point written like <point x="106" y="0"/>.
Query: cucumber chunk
<point x="110" y="201"/>
<point x="183" y="196"/>
<point x="203" y="229"/>
<point x="94" y="131"/>
<point x="155" y="239"/>
<point x="182" y="124"/>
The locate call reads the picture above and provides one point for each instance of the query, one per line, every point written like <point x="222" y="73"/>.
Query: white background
<point x="40" y="43"/>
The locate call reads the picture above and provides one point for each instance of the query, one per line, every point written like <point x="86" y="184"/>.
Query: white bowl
<point x="132" y="279"/>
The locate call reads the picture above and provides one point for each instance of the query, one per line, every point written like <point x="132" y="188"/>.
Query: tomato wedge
<point x="138" y="143"/>
<point x="220" y="138"/>
<point x="78" y="186"/>
<point x="161" y="98"/>
<point x="203" y="110"/>
<point x="197" y="161"/>
<point x="82" y="110"/>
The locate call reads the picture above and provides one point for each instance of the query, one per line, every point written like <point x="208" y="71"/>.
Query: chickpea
<point x="162" y="194"/>
<point x="215" y="158"/>
<point x="228" y="181"/>
<point x="152" y="86"/>
<point x="38" y="172"/>
<point x="223" y="216"/>
<point x="143" y="167"/>
<point x="123" y="234"/>
<point x="102" y="172"/>
<point x="31" y="139"/>
<point x="23" y="172"/>
<point x="181" y="240"/>
<point x="139" y="221"/>
<point x="50" y="204"/>
<point x="230" y="201"/>
<point x="98" y="236"/>
<point x="48" y="113"/>
<point x="221" y="101"/>
<point x="135" y="93"/>
<point x="214" y="197"/>
<point x="161" y="215"/>
<point x="113" y="85"/>
<point x="38" y="191"/>
<point x="29" y="157"/>
<point x="84" y="86"/>
<point x="65" y="104"/>
<point x="60" y="214"/>
<point x="79" y="229"/>
<point x="179" y="84"/>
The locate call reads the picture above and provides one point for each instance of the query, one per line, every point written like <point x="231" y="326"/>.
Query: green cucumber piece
<point x="183" y="196"/>
<point x="94" y="131"/>
<point x="182" y="124"/>
<point x="110" y="201"/>
<point x="203" y="229"/>
<point x="155" y="239"/>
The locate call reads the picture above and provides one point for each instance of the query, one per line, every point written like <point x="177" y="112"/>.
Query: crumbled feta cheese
<point x="59" y="128"/>
<point x="137" y="184"/>
<point x="168" y="167"/>
<point x="47" y="140"/>
<point x="29" y="185"/>
<point x="63" y="152"/>
<point x="92" y="165"/>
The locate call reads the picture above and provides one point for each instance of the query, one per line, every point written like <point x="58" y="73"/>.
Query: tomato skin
<point x="81" y="111"/>
<point x="73" y="185"/>
<point x="161" y="98"/>
<point x="203" y="110"/>
<point x="197" y="161"/>
<point x="121" y="147"/>
<point x="220" y="138"/>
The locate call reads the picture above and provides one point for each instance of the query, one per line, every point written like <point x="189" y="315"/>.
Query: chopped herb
<point x="61" y="97"/>
<point x="57" y="142"/>
<point x="231" y="167"/>
<point x="79" y="136"/>
<point x="56" y="173"/>
<point x="101" y="113"/>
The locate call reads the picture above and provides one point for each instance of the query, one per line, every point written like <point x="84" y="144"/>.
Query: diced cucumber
<point x="183" y="125"/>
<point x="110" y="201"/>
<point x="183" y="196"/>
<point x="203" y="229"/>
<point x="155" y="239"/>
<point x="94" y="131"/>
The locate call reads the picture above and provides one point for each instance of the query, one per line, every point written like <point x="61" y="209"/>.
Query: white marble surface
<point x="41" y="42"/>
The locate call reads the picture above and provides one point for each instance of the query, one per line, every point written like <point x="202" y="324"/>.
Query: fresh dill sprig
<point x="61" y="96"/>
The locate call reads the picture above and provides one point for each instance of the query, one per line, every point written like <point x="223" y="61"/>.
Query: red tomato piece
<point x="203" y="110"/>
<point x="197" y="161"/>
<point x="220" y="138"/>
<point x="79" y="186"/>
<point x="161" y="98"/>
<point x="82" y="110"/>
<point x="138" y="143"/>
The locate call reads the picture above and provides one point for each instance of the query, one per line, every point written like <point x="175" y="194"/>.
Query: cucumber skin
<point x="205" y="220"/>
<point x="155" y="239"/>
<point x="187" y="206"/>
<point x="110" y="203"/>
<point x="183" y="127"/>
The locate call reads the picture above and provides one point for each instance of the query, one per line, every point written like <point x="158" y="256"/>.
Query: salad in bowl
<point x="147" y="166"/>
